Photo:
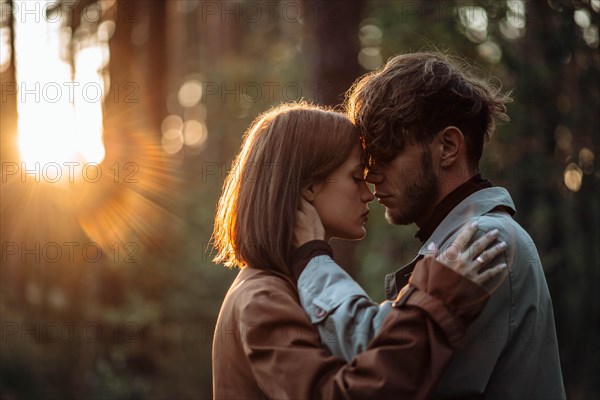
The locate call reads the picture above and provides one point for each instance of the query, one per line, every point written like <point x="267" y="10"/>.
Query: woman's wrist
<point x="303" y="254"/>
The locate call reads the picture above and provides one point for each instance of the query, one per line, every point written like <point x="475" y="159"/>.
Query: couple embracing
<point x="469" y="317"/>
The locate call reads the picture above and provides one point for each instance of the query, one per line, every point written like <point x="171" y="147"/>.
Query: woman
<point x="264" y="345"/>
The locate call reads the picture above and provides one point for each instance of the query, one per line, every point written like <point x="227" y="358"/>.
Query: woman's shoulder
<point x="253" y="283"/>
<point x="258" y="290"/>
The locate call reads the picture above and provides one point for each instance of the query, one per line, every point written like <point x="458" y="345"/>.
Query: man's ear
<point x="452" y="142"/>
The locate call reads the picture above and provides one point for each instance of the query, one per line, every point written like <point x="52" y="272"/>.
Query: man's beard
<point x="418" y="197"/>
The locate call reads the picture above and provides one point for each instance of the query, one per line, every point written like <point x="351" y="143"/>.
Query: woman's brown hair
<point x="283" y="150"/>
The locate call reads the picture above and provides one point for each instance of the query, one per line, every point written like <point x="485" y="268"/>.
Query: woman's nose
<point x="367" y="195"/>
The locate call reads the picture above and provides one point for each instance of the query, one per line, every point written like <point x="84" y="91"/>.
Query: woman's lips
<point x="365" y="216"/>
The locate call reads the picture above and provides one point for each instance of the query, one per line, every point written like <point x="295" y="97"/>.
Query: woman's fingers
<point x="308" y="224"/>
<point x="465" y="236"/>
<point x="303" y="205"/>
<point x="490" y="253"/>
<point x="456" y="251"/>
<point x="456" y="255"/>
<point x="468" y="260"/>
<point x="432" y="249"/>
<point x="485" y="276"/>
<point x="480" y="245"/>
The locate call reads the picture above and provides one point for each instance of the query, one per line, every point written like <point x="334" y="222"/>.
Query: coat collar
<point x="477" y="204"/>
<point x="249" y="272"/>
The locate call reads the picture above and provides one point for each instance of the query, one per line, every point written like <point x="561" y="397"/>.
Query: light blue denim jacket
<point x="509" y="352"/>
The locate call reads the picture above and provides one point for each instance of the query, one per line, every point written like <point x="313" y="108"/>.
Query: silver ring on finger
<point x="480" y="260"/>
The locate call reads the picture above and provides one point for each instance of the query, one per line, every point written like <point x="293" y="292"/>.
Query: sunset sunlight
<point x="60" y="112"/>
<point x="299" y="199"/>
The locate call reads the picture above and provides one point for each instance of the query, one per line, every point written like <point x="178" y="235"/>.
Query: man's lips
<point x="381" y="197"/>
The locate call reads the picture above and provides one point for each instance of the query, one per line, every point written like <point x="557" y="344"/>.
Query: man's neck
<point x="447" y="186"/>
<point x="447" y="203"/>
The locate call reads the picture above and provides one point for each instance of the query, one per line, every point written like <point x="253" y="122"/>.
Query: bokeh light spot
<point x="586" y="160"/>
<point x="572" y="177"/>
<point x="194" y="133"/>
<point x="190" y="93"/>
<point x="490" y="52"/>
<point x="370" y="58"/>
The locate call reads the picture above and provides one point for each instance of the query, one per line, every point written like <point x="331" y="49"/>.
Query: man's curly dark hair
<point x="416" y="95"/>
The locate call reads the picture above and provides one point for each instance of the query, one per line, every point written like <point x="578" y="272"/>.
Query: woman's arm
<point x="346" y="318"/>
<point x="405" y="360"/>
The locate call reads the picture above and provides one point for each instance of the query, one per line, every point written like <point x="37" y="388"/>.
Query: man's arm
<point x="404" y="361"/>
<point x="346" y="318"/>
<point x="488" y="336"/>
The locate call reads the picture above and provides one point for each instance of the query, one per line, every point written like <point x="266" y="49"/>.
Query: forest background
<point x="119" y="122"/>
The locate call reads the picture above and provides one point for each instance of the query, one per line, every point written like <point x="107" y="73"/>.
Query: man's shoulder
<point x="510" y="231"/>
<point x="527" y="280"/>
<point x="500" y="218"/>
<point x="521" y="254"/>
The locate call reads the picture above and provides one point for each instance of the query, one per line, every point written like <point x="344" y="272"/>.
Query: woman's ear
<point x="310" y="191"/>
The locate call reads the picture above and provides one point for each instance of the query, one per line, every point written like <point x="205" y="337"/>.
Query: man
<point x="424" y="120"/>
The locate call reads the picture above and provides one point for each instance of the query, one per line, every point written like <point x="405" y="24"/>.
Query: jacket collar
<point x="454" y="198"/>
<point x="477" y="204"/>
<point x="249" y="272"/>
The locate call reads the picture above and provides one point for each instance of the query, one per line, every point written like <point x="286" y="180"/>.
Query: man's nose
<point x="374" y="178"/>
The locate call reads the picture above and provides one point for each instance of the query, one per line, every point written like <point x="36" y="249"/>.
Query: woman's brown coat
<point x="265" y="346"/>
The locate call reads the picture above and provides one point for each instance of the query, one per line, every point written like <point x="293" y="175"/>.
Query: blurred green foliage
<point x="144" y="330"/>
